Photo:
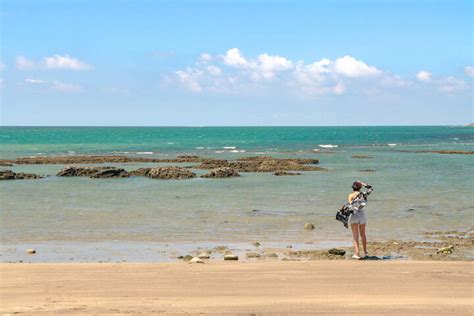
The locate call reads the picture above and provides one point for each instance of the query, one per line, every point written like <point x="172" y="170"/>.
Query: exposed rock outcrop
<point x="93" y="172"/>
<point x="222" y="172"/>
<point x="443" y="152"/>
<point x="10" y="175"/>
<point x="262" y="164"/>
<point x="286" y="173"/>
<point x="66" y="160"/>
<point x="165" y="173"/>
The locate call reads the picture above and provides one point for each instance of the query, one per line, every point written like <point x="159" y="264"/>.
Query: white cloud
<point x="234" y="58"/>
<point x="424" y="76"/>
<point x="52" y="62"/>
<point x="65" y="62"/>
<point x="233" y="72"/>
<point x="274" y="63"/>
<point x="189" y="80"/>
<point x="351" y="67"/>
<point x="34" y="81"/>
<point x="469" y="71"/>
<point x="65" y="87"/>
<point x="23" y="63"/>
<point x="214" y="70"/>
<point x="205" y="57"/>
<point x="451" y="85"/>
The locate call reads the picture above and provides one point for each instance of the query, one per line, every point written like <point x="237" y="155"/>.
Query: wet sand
<point x="266" y="287"/>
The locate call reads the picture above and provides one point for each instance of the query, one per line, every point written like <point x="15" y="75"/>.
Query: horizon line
<point x="206" y="126"/>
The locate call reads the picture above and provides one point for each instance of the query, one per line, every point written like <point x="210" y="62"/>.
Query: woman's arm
<point x="368" y="187"/>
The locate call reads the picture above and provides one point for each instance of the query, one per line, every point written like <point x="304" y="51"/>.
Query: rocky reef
<point x="223" y="172"/>
<point x="165" y="173"/>
<point x="219" y="168"/>
<point x="67" y="160"/>
<point x="442" y="152"/>
<point x="262" y="164"/>
<point x="93" y="172"/>
<point x="10" y="175"/>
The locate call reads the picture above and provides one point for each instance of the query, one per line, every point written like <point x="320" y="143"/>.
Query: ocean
<point x="141" y="219"/>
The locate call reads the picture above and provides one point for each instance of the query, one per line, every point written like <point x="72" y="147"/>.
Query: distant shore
<point x="317" y="287"/>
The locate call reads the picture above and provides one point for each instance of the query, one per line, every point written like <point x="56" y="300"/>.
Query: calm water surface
<point x="144" y="219"/>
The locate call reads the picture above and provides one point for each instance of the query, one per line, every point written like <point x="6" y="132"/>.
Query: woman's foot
<point x="355" y="256"/>
<point x="366" y="255"/>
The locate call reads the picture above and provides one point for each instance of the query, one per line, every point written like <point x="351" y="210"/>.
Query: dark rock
<point x="65" y="160"/>
<point x="361" y="157"/>
<point x="262" y="164"/>
<point x="222" y="172"/>
<point x="93" y="172"/>
<point x="204" y="255"/>
<point x="443" y="152"/>
<point x="166" y="173"/>
<point x="253" y="255"/>
<point x="337" y="252"/>
<point x="270" y="255"/>
<point x="111" y="173"/>
<point x="286" y="173"/>
<point x="187" y="258"/>
<point x="231" y="257"/>
<point x="10" y="175"/>
<point x="446" y="250"/>
<point x="368" y="170"/>
<point x="309" y="226"/>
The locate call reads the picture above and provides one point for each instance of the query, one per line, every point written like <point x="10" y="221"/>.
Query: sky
<point x="236" y="63"/>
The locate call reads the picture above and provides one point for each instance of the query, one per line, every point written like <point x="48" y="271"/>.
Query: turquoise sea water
<point x="144" y="219"/>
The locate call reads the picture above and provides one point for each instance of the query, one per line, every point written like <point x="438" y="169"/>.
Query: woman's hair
<point x="356" y="186"/>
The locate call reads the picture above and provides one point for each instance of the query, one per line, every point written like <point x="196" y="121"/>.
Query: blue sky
<point x="236" y="62"/>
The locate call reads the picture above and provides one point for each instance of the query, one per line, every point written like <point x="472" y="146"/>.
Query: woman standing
<point x="357" y="200"/>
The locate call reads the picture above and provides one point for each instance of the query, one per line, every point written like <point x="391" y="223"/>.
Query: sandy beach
<point x="271" y="287"/>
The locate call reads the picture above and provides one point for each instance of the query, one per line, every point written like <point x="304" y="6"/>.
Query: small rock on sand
<point x="446" y="250"/>
<point x="187" y="258"/>
<point x="309" y="226"/>
<point x="31" y="251"/>
<point x="253" y="255"/>
<point x="270" y="255"/>
<point x="337" y="252"/>
<point x="231" y="257"/>
<point x="204" y="255"/>
<point x="195" y="260"/>
<point x="256" y="244"/>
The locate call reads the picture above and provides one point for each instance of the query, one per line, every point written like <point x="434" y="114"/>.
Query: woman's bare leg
<point x="363" y="237"/>
<point x="355" y="235"/>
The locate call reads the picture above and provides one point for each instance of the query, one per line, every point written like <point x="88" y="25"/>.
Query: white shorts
<point x="358" y="218"/>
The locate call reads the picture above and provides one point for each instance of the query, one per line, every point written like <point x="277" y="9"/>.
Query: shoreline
<point x="435" y="246"/>
<point x="316" y="287"/>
